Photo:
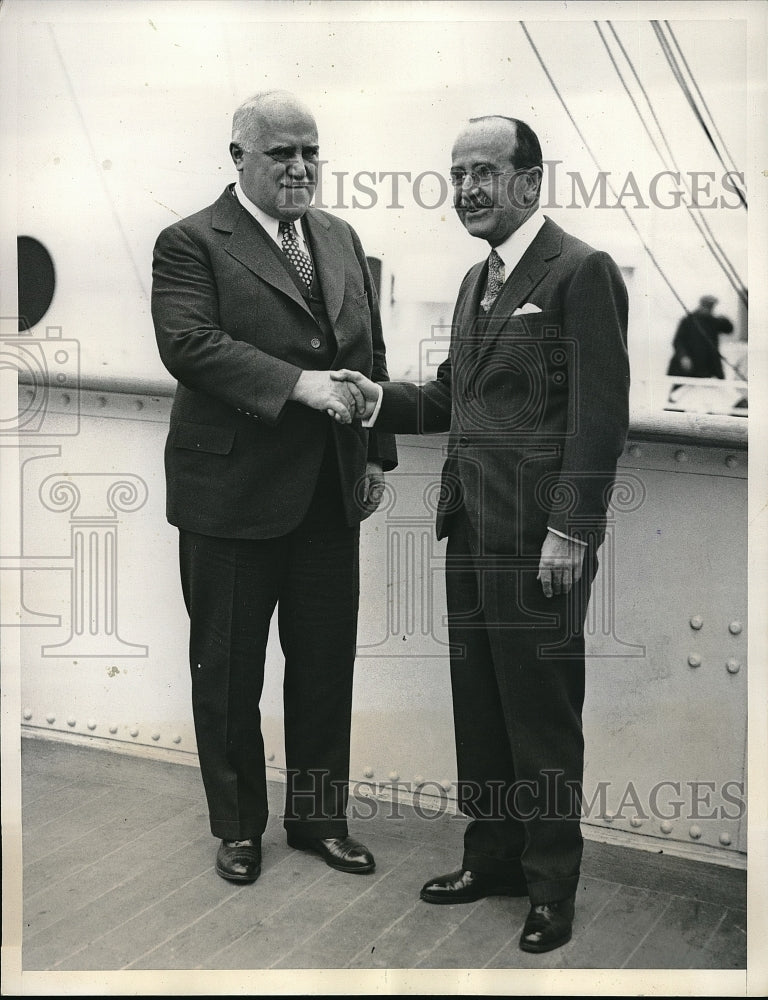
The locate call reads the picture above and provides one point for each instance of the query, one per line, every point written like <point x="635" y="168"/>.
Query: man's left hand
<point x="374" y="486"/>
<point x="560" y="564"/>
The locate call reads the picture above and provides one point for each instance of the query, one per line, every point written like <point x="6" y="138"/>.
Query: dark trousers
<point x="517" y="676"/>
<point x="231" y="588"/>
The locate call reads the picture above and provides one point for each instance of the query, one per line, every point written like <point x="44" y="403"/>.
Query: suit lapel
<point x="533" y="266"/>
<point x="250" y="245"/>
<point x="469" y="307"/>
<point x="328" y="261"/>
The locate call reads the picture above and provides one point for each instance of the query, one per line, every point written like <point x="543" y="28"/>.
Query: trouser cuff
<point x="307" y="829"/>
<point x="483" y="864"/>
<point x="245" y="829"/>
<point x="553" y="891"/>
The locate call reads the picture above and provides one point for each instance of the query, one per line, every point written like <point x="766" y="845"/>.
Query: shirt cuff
<point x="562" y="535"/>
<point x="372" y="419"/>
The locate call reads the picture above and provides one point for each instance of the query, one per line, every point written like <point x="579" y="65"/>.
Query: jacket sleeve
<point x="594" y="313"/>
<point x="192" y="345"/>
<point x="381" y="445"/>
<point x="418" y="409"/>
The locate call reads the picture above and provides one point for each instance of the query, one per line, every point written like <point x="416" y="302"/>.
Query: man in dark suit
<point x="534" y="393"/>
<point x="697" y="342"/>
<point x="254" y="300"/>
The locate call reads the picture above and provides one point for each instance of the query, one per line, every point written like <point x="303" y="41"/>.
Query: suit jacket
<point x="698" y="338"/>
<point x="233" y="328"/>
<point x="536" y="403"/>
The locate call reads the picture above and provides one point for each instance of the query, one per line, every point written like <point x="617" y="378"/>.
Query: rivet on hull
<point x="694" y="660"/>
<point x="696" y="622"/>
<point x="666" y="826"/>
<point x="735" y="628"/>
<point x="732" y="666"/>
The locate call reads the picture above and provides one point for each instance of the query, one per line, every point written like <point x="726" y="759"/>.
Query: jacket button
<point x="315" y="342"/>
<point x="463" y="441"/>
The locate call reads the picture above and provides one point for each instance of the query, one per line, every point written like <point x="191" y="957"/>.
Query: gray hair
<point x="246" y="119"/>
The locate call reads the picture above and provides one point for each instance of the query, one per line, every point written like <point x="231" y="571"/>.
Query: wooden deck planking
<point x="119" y="875"/>
<point x="678" y="941"/>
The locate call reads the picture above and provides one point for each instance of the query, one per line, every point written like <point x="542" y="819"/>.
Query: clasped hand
<point x="343" y="394"/>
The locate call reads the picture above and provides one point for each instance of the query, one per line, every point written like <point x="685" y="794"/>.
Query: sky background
<point x="122" y="125"/>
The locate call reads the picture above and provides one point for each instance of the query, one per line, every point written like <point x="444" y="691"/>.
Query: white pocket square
<point x="529" y="307"/>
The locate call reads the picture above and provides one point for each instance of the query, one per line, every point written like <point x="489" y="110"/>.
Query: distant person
<point x="697" y="342"/>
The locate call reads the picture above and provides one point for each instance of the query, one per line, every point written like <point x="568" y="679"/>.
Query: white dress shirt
<point x="270" y="224"/>
<point x="514" y="246"/>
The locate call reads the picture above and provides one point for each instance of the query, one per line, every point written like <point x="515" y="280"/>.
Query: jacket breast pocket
<point x="204" y="437"/>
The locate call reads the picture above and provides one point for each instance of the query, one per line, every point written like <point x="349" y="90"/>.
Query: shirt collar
<point x="514" y="246"/>
<point x="269" y="223"/>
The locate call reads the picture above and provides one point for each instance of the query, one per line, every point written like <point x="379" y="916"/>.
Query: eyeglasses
<point x="287" y="155"/>
<point x="482" y="175"/>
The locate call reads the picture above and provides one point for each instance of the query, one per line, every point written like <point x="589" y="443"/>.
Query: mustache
<point x="469" y="202"/>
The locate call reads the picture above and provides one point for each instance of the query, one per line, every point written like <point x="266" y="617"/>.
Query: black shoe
<point x="465" y="887"/>
<point x="342" y="853"/>
<point x="548" y="925"/>
<point x="239" y="860"/>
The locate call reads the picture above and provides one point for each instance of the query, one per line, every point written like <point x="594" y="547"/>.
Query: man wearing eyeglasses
<point x="534" y="394"/>
<point x="255" y="299"/>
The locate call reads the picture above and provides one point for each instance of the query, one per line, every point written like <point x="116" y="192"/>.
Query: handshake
<point x="343" y="394"/>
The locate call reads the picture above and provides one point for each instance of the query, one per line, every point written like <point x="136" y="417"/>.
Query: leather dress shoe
<point x="465" y="886"/>
<point x="342" y="853"/>
<point x="548" y="925"/>
<point x="239" y="860"/>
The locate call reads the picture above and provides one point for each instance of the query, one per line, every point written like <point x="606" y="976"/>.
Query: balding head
<point x="275" y="150"/>
<point x="496" y="170"/>
<point x="264" y="109"/>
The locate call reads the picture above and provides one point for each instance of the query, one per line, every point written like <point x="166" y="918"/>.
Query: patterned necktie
<point x="300" y="260"/>
<point x="495" y="280"/>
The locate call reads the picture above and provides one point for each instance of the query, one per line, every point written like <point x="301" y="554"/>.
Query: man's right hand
<point x="367" y="392"/>
<point x="323" y="391"/>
